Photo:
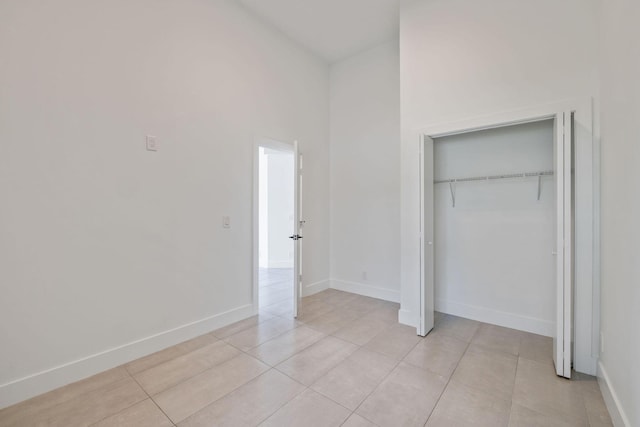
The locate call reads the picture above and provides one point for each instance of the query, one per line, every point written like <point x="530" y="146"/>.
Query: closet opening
<point x="497" y="228"/>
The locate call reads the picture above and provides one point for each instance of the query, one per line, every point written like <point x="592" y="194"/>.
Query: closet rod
<point x="490" y="177"/>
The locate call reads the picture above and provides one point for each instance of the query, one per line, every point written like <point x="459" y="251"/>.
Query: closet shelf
<point x="491" y="177"/>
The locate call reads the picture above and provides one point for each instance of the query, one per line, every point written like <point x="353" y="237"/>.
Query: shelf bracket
<point x="539" y="186"/>
<point x="452" y="189"/>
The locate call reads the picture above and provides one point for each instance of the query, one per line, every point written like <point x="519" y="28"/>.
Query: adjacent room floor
<point x="276" y="290"/>
<point x="345" y="361"/>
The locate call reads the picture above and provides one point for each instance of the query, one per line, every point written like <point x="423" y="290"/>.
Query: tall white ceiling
<point x="332" y="29"/>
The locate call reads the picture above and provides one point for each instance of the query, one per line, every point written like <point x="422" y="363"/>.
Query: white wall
<point x="102" y="243"/>
<point x="365" y="173"/>
<point x="280" y="206"/>
<point x="461" y="59"/>
<point x="493" y="259"/>
<point x="620" y="68"/>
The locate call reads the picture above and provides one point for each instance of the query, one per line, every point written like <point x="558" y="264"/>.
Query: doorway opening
<point x="277" y="248"/>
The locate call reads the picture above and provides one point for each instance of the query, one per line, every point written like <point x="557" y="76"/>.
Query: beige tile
<point x="167" y="354"/>
<point x="236" y="327"/>
<point x="260" y="333"/>
<point x="168" y="374"/>
<point x="538" y="388"/>
<point x="331" y="321"/>
<point x="457" y="327"/>
<point x="361" y="331"/>
<point x="596" y="408"/>
<point x="313" y="362"/>
<point x="356" y="420"/>
<point x="190" y="396"/>
<point x="536" y="347"/>
<point x="363" y="305"/>
<point x="524" y="417"/>
<point x="143" y="414"/>
<point x="487" y="371"/>
<point x="497" y="338"/>
<point x="286" y="345"/>
<point x="89" y="408"/>
<point x="337" y="298"/>
<point x="282" y="309"/>
<point x="405" y="398"/>
<point x="386" y="314"/>
<point x="395" y="342"/>
<point x="249" y="404"/>
<point x="437" y="353"/>
<point x="464" y="405"/>
<point x="353" y="379"/>
<point x="309" y="409"/>
<point x="320" y="296"/>
<point x="32" y="408"/>
<point x="310" y="310"/>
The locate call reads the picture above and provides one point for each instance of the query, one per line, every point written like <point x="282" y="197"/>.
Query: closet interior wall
<point x="493" y="249"/>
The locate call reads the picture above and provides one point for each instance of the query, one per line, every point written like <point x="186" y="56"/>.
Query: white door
<point x="427" y="290"/>
<point x="563" y="250"/>
<point x="297" y="228"/>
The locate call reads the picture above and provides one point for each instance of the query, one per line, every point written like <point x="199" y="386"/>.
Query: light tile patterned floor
<point x="345" y="362"/>
<point x="276" y="290"/>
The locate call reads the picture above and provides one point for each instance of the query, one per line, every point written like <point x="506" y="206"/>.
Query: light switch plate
<point x="226" y="222"/>
<point x="152" y="143"/>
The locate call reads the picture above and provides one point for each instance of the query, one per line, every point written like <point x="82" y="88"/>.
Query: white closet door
<point x="563" y="250"/>
<point x="297" y="226"/>
<point x="427" y="279"/>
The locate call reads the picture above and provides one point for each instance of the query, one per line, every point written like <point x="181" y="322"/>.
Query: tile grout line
<point x="273" y="316"/>
<point x="133" y="404"/>
<point x="253" y="379"/>
<point x="221" y="397"/>
<point x="195" y="375"/>
<point x="383" y="379"/>
<point x="154" y="402"/>
<point x="514" y="387"/>
<point x="330" y="369"/>
<point x="452" y="373"/>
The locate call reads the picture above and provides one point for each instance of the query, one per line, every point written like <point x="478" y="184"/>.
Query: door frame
<point x="276" y="145"/>
<point x="586" y="289"/>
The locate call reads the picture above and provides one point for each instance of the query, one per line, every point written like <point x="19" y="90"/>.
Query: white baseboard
<point x="41" y="382"/>
<point x="495" y="317"/>
<point x="618" y="416"/>
<point x="406" y="317"/>
<point x="314" y="288"/>
<point x="366" y="290"/>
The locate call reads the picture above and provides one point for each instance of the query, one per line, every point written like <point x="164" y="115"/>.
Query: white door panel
<point x="563" y="248"/>
<point x="427" y="297"/>
<point x="297" y="226"/>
